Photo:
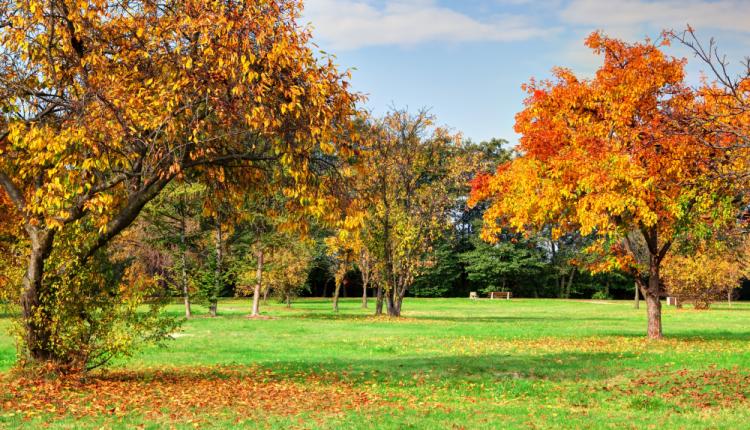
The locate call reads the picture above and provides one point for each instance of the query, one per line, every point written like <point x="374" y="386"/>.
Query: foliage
<point x="607" y="157"/>
<point x="12" y="248"/>
<point x="287" y="269"/>
<point x="493" y="266"/>
<point x="412" y="173"/>
<point x="709" y="273"/>
<point x="117" y="304"/>
<point x="105" y="102"/>
<point x="442" y="277"/>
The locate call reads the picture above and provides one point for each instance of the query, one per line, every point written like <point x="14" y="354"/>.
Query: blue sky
<point x="466" y="59"/>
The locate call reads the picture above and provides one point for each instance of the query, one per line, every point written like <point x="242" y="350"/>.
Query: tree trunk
<point x="364" y="294"/>
<point x="183" y="261"/>
<point x="729" y="297"/>
<point x="336" y="296"/>
<point x="573" y="272"/>
<point x="37" y="334"/>
<point x="653" y="299"/>
<point x="637" y="301"/>
<point x="379" y="300"/>
<point x="394" y="303"/>
<point x="653" y="303"/>
<point x="258" y="282"/>
<point x="288" y="301"/>
<point x="218" y="282"/>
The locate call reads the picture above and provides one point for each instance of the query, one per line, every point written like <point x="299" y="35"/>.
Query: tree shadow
<point x="563" y="366"/>
<point x="501" y="319"/>
<point x="315" y="315"/>
<point x="691" y="335"/>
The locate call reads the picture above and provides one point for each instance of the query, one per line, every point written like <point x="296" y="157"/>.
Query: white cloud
<point x="352" y="24"/>
<point x="622" y="15"/>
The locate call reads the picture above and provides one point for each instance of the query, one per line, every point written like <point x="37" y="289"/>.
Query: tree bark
<point x="183" y="259"/>
<point x="637" y="301"/>
<point x="395" y="299"/>
<point x="218" y="283"/>
<point x="570" y="281"/>
<point x="258" y="283"/>
<point x="379" y="300"/>
<point x="364" y="294"/>
<point x="653" y="303"/>
<point x="336" y="296"/>
<point x="653" y="297"/>
<point x="36" y="320"/>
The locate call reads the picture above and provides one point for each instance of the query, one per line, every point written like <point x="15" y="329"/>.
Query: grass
<point x="449" y="363"/>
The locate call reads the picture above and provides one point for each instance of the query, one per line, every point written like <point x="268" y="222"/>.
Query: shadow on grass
<point x="323" y="316"/>
<point x="460" y="369"/>
<point x="692" y="335"/>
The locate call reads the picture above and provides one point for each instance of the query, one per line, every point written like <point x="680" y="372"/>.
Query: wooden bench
<point x="500" y="294"/>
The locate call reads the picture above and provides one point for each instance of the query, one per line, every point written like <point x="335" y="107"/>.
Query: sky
<point x="466" y="60"/>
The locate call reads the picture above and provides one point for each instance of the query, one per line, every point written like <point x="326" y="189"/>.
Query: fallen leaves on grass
<point x="691" y="389"/>
<point x="593" y="344"/>
<point x="179" y="395"/>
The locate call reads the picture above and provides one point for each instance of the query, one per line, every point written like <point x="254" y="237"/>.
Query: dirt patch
<point x="179" y="395"/>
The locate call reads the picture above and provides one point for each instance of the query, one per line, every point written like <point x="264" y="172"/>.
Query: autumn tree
<point x="720" y="117"/>
<point x="604" y="157"/>
<point x="104" y="103"/>
<point x="703" y="271"/>
<point x="413" y="172"/>
<point x="343" y="250"/>
<point x="287" y="268"/>
<point x="264" y="224"/>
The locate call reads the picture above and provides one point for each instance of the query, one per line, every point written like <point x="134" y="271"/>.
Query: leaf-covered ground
<point x="450" y="363"/>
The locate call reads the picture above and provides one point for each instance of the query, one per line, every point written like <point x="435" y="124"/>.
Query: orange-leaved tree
<point x="105" y="102"/>
<point x="606" y="156"/>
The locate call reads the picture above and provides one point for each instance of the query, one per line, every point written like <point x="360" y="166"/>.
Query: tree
<point x="287" y="269"/>
<point x="494" y="267"/>
<point x="343" y="250"/>
<point x="105" y="103"/>
<point x="721" y="116"/>
<point x="707" y="271"/>
<point x="172" y="222"/>
<point x="605" y="157"/>
<point x="413" y="171"/>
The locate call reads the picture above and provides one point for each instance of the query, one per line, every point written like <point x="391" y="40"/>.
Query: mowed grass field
<point x="448" y="363"/>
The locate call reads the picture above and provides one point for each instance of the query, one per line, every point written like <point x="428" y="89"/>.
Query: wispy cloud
<point x="352" y="24"/>
<point x="732" y="15"/>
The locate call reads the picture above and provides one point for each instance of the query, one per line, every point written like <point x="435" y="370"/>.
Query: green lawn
<point x="449" y="363"/>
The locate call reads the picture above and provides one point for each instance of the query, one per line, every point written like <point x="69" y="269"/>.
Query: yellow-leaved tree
<point x="105" y="102"/>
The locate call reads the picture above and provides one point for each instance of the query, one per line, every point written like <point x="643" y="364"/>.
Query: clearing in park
<point x="448" y="363"/>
